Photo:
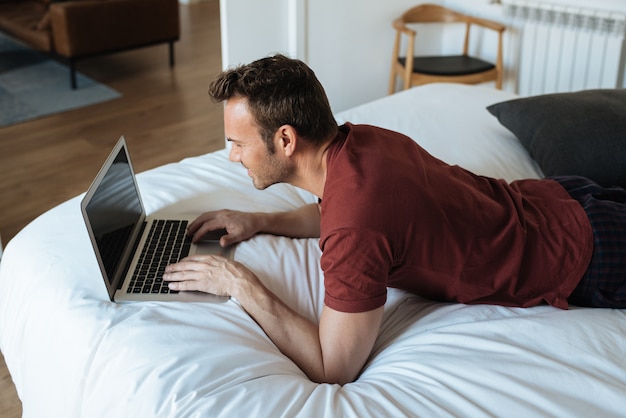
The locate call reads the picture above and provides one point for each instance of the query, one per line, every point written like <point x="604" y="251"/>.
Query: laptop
<point x="132" y="248"/>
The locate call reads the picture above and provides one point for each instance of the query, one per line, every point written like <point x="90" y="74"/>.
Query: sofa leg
<point x="171" y="54"/>
<point x="73" y="73"/>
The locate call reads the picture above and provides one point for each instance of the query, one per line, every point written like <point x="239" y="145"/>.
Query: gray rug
<point x="33" y="85"/>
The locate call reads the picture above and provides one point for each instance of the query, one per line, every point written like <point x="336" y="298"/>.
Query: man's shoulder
<point x="363" y="138"/>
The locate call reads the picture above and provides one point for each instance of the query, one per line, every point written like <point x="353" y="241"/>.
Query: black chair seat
<point x="448" y="65"/>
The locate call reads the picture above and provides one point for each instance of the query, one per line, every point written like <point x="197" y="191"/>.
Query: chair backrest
<point x="432" y="13"/>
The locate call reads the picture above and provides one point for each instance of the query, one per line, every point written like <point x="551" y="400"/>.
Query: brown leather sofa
<point x="75" y="29"/>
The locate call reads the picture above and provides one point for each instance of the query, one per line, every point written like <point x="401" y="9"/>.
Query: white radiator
<point x="557" y="48"/>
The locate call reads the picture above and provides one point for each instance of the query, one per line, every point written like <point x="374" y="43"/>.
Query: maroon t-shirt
<point x="395" y="216"/>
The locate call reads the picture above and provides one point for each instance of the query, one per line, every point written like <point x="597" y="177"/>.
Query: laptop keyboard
<point x="167" y="243"/>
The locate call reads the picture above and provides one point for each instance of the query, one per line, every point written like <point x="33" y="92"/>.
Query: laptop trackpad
<point x="210" y="247"/>
<point x="210" y="243"/>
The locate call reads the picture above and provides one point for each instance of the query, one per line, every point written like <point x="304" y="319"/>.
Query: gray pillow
<point x="581" y="133"/>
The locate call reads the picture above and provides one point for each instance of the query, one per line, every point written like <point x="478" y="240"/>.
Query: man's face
<point x="249" y="149"/>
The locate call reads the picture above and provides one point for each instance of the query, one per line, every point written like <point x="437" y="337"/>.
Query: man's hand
<point x="303" y="222"/>
<point x="208" y="273"/>
<point x="239" y="226"/>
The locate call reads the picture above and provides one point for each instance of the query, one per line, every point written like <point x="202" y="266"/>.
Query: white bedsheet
<point x="72" y="353"/>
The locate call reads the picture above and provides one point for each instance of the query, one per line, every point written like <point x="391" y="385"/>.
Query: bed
<point x="73" y="353"/>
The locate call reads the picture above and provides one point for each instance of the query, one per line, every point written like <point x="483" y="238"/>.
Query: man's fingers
<point x="191" y="268"/>
<point x="179" y="286"/>
<point x="183" y="280"/>
<point x="205" y="273"/>
<point x="199" y="231"/>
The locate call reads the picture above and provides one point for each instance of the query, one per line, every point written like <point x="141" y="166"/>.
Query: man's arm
<point x="303" y="222"/>
<point x="332" y="352"/>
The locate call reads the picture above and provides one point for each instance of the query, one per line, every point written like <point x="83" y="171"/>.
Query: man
<point x="391" y="215"/>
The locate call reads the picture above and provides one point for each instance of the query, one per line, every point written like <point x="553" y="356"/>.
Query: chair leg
<point x="394" y="62"/>
<point x="392" y="82"/>
<point x="73" y="73"/>
<point x="171" y="54"/>
<point x="406" y="82"/>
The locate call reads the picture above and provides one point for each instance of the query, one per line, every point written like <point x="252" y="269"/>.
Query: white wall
<point x="350" y="45"/>
<point x="252" y="29"/>
<point x="347" y="43"/>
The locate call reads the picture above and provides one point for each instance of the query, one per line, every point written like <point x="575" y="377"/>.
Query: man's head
<point x="279" y="91"/>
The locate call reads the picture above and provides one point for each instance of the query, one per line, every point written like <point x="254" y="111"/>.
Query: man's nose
<point x="233" y="155"/>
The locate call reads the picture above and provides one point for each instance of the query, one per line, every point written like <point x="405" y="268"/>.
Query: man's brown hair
<point x="279" y="91"/>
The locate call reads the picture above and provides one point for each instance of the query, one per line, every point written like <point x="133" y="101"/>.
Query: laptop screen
<point x="113" y="211"/>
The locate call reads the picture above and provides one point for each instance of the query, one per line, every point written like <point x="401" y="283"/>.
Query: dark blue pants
<point x="604" y="283"/>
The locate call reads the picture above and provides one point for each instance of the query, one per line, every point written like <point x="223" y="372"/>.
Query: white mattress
<point x="73" y="353"/>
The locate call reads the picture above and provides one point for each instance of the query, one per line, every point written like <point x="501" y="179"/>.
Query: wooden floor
<point x="165" y="115"/>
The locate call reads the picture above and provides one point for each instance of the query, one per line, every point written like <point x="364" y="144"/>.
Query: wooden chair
<point x="430" y="69"/>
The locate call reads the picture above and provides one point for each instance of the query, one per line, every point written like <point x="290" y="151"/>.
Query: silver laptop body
<point x="119" y="228"/>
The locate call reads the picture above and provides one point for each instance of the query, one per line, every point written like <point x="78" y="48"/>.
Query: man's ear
<point x="287" y="139"/>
